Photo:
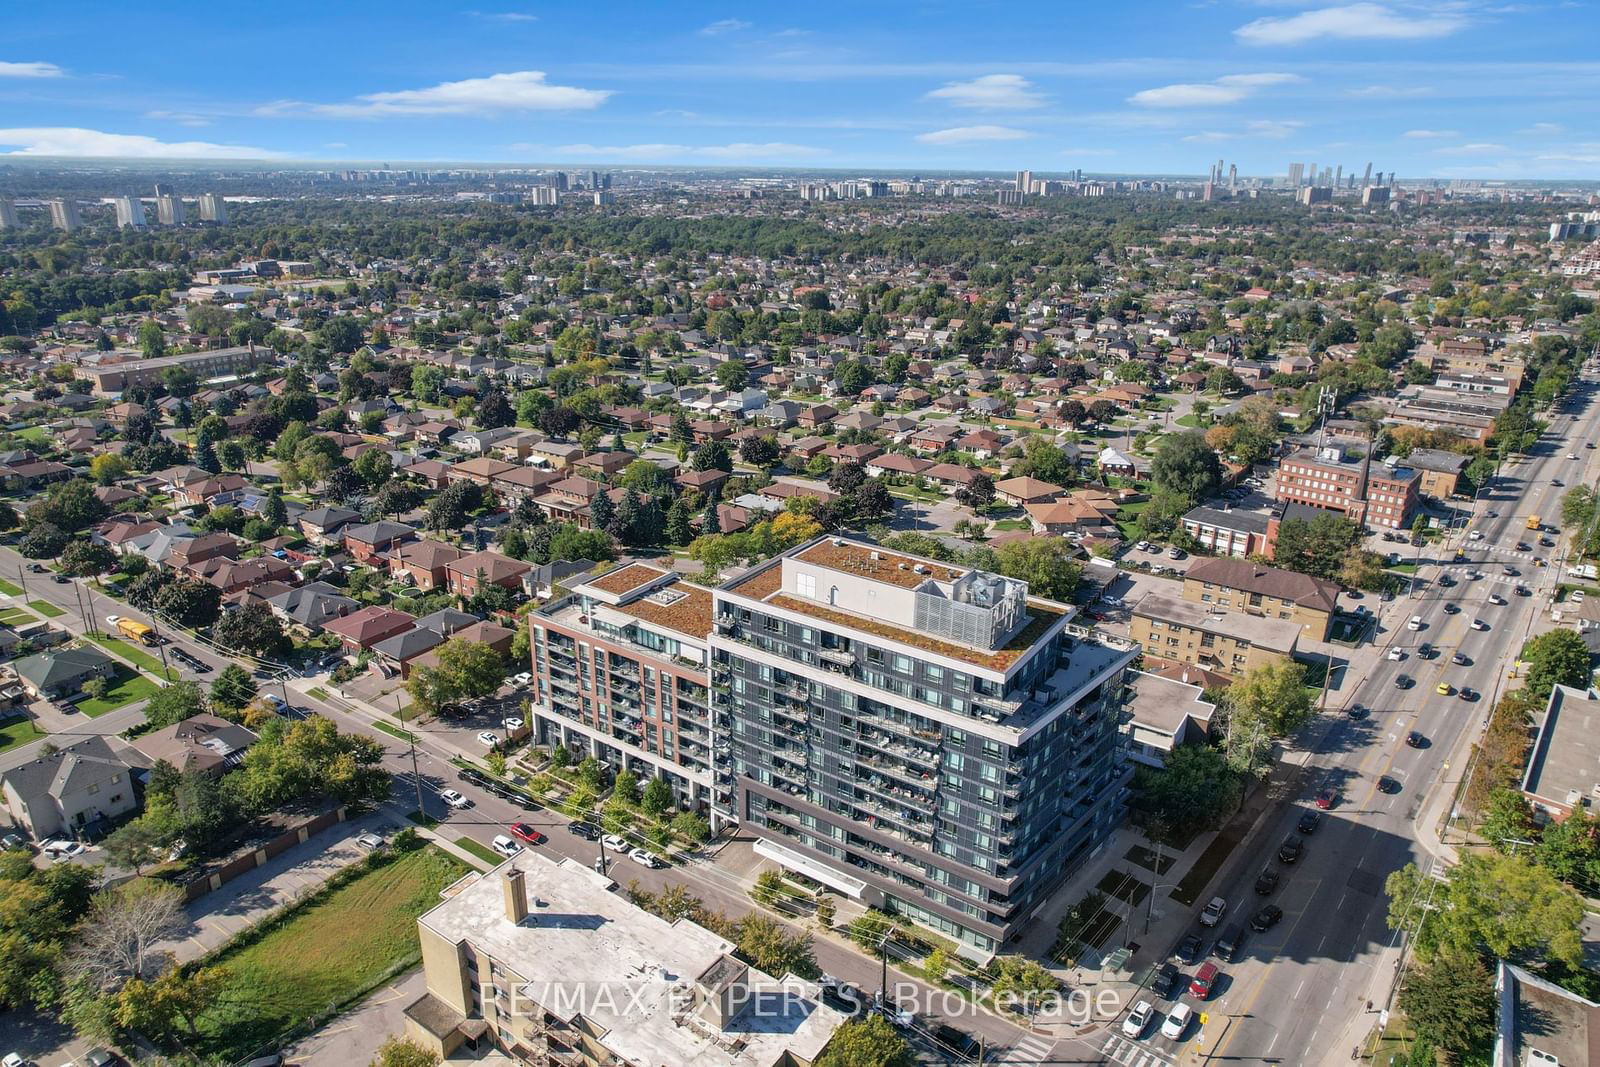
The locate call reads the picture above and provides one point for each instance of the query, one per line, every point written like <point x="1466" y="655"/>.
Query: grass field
<point x="38" y="435"/>
<point x="8" y="589"/>
<point x="334" y="950"/>
<point x="1190" y="420"/>
<point x="18" y="731"/>
<point x="45" y="608"/>
<point x="483" y="852"/>
<point x="15" y="617"/>
<point x="133" y="654"/>
<point x="124" y="689"/>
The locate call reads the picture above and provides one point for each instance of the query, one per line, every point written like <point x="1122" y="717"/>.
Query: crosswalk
<point x="1132" y="1054"/>
<point x="1028" y="1052"/>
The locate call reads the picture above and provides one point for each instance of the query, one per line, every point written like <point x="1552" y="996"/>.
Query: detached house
<point x="465" y="576"/>
<point x="70" y="788"/>
<point x="424" y="562"/>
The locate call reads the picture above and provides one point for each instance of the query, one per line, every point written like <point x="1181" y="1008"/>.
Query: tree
<point x="937" y="964"/>
<point x="1046" y="564"/>
<point x="1558" y="657"/>
<point x="1269" y="703"/>
<point x="43" y="541"/>
<point x="85" y="559"/>
<point x="1507" y="819"/>
<point x="144" y="589"/>
<point x="1020" y="983"/>
<point x="133" y="844"/>
<point x="826" y="911"/>
<point x="978" y="493"/>
<point x="713" y="455"/>
<point x="558" y="421"/>
<point x="174" y="703"/>
<point x="679" y="517"/>
<point x="767" y="946"/>
<point x="657" y="798"/>
<point x="107" y="468"/>
<point x="172" y="1003"/>
<point x="733" y="376"/>
<point x="233" y="688"/>
<point x="871" y="501"/>
<point x="1185" y="465"/>
<point x="1451" y="1001"/>
<point x="403" y="1052"/>
<point x="869" y="1041"/>
<point x="494" y="410"/>
<point x="189" y="602"/>
<point x="124" y="925"/>
<point x="451" y="507"/>
<point x="1502" y="905"/>
<point x="1570" y="849"/>
<point x="759" y="450"/>
<point x="340" y="334"/>
<point x="768" y="887"/>
<point x="152" y="341"/>
<point x="1319" y="546"/>
<point x="1193" y="792"/>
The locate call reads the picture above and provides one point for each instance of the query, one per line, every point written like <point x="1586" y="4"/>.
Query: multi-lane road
<point x="1297" y="991"/>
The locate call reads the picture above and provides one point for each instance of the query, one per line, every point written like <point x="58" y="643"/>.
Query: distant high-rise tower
<point x="1295" y="172"/>
<point x="213" y="208"/>
<point x="1233" y="177"/>
<point x="1338" y="175"/>
<point x="1311" y="174"/>
<point x="561" y="181"/>
<point x="169" y="210"/>
<point x="8" y="215"/>
<point x="1366" y="179"/>
<point x="163" y="189"/>
<point x="130" y="212"/>
<point x="1024" y="182"/>
<point x="594" y="180"/>
<point x="64" y="214"/>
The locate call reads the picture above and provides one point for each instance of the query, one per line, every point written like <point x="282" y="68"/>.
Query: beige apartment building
<point x="546" y="962"/>
<point x="1257" y="589"/>
<point x="1227" y="642"/>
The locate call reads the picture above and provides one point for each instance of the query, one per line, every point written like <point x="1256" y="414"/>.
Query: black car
<point x="1388" y="785"/>
<point x="1266" y="882"/>
<point x="1415" y="740"/>
<point x="1266" y="918"/>
<point x="1164" y="980"/>
<point x="1424" y="651"/>
<point x="964" y="1045"/>
<point x="1228" y="945"/>
<point x="1523" y="590"/>
<point x="467" y="774"/>
<point x="1403" y="681"/>
<point x="583" y="830"/>
<point x="1469" y="695"/>
<point x="1451" y="609"/>
<point x="1308" y="822"/>
<point x="1446" y="581"/>
<point x="35" y="568"/>
<point x="1523" y="546"/>
<point x="844" y="997"/>
<point x="1291" y="850"/>
<point x="1546" y="542"/>
<point x="1188" y="950"/>
<point x="60" y="579"/>
<point x="1356" y="711"/>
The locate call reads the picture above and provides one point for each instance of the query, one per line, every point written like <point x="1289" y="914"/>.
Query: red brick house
<point x="424" y="561"/>
<point x="362" y="629"/>
<point x="464" y="578"/>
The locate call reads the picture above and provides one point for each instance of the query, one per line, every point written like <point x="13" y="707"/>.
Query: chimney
<point x="516" y="895"/>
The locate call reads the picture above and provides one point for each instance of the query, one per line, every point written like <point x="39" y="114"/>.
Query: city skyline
<point x="1458" y="90"/>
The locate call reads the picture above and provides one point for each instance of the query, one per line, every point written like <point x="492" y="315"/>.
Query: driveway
<point x="354" y="1037"/>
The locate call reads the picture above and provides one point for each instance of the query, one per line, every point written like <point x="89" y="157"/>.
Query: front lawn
<point x="18" y="731"/>
<point x="8" y="589"/>
<point x="338" y="947"/>
<point x="482" y="851"/>
<point x="123" y="689"/>
<point x="47" y="609"/>
<point x="133" y="653"/>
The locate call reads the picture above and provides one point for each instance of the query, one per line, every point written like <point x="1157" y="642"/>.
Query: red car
<point x="1202" y="981"/>
<point x="527" y="833"/>
<point x="1326" y="798"/>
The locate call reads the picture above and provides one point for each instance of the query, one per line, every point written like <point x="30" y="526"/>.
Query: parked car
<point x="1308" y="822"/>
<point x="1177" y="1022"/>
<point x="583" y="830"/>
<point x="1291" y="850"/>
<point x="1188" y="950"/>
<point x="1266" y="882"/>
<point x="370" y="841"/>
<point x="1164" y="980"/>
<point x="1213" y="912"/>
<point x="504" y="845"/>
<point x="526" y="833"/>
<point x="1134" y="1023"/>
<point x="13" y="843"/>
<point x="62" y="848"/>
<point x="1266" y="918"/>
<point x="1228" y="945"/>
<point x="645" y="858"/>
<point x="511" y="722"/>
<point x="487" y="738"/>
<point x="99" y="1057"/>
<point x="1203" y="979"/>
<point x="453" y="799"/>
<point x="615" y="843"/>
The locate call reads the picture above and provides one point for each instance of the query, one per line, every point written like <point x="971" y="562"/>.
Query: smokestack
<point x="516" y="895"/>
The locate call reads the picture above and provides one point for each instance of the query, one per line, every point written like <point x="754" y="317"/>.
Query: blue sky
<point x="1463" y="88"/>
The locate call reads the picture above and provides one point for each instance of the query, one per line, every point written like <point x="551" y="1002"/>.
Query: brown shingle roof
<point x="1253" y="577"/>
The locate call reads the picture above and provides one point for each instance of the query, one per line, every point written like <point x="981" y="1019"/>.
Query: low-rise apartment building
<point x="925" y="738"/>
<point x="1208" y="636"/>
<point x="1163" y="713"/>
<point x="1229" y="532"/>
<point x="545" y="962"/>
<point x="1257" y="589"/>
<point x="111" y="378"/>
<point x="621" y="673"/>
<point x="1563" y="771"/>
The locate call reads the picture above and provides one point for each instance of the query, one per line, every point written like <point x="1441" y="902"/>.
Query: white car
<point x="62" y="849"/>
<point x="1415" y="623"/>
<point x="1479" y="624"/>
<point x="504" y="845"/>
<point x="370" y="841"/>
<point x="646" y="858"/>
<point x="1214" y="912"/>
<point x="1174" y="1025"/>
<point x="511" y="722"/>
<point x="1143" y="546"/>
<point x="614" y="843"/>
<point x="453" y="799"/>
<point x="1137" y="1019"/>
<point x="1396" y="653"/>
<point x="1577" y="596"/>
<point x="524" y="678"/>
<point x="14" y="1060"/>
<point x="1572" y="455"/>
<point x="487" y="739"/>
<point x="1496" y="598"/>
<point x="1476" y="535"/>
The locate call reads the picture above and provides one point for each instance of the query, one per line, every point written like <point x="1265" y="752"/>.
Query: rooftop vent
<point x="838" y="542"/>
<point x="876" y="554"/>
<point x="920" y="569"/>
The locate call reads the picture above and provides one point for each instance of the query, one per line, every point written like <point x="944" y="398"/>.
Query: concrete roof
<point x="1274" y="635"/>
<point x="1566" y="749"/>
<point x="1165" y="704"/>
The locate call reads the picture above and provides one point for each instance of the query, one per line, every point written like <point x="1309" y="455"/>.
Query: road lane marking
<point x="1298" y="988"/>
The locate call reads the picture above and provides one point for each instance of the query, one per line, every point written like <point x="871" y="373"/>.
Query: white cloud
<point x="973" y="135"/>
<point x="725" y="26"/>
<point x="505" y="16"/>
<point x="1478" y="148"/>
<point x="1542" y="129"/>
<point x="30" y="70"/>
<point x="991" y="92"/>
<point x="738" y="152"/>
<point x="1275" y="129"/>
<point x="75" y="141"/>
<point x="1423" y="135"/>
<point x="1389" y="91"/>
<point x="1352" y="22"/>
<point x="524" y="90"/>
<point x="182" y="118"/>
<point x="1229" y="89"/>
<point x="1208" y="137"/>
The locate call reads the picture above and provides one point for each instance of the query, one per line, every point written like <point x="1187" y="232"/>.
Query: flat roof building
<point x="1163" y="713"/>
<point x="215" y="363"/>
<point x="1563" y="772"/>
<point x="1208" y="636"/>
<point x="923" y="737"/>
<point x="544" y="961"/>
